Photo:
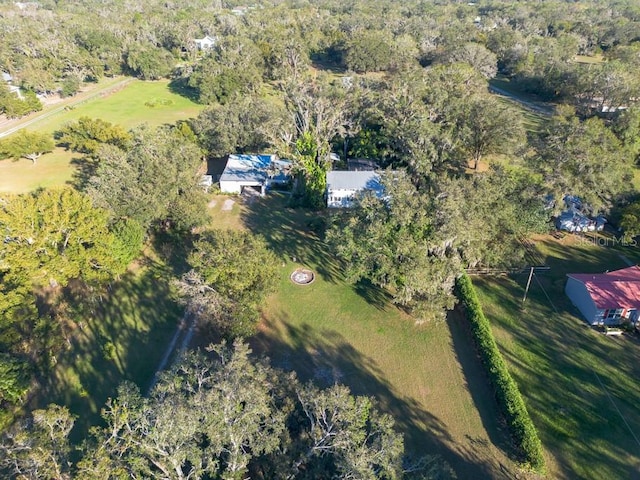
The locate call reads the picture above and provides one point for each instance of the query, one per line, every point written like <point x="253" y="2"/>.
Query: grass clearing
<point x="427" y="376"/>
<point x="534" y="110"/>
<point x="121" y="337"/>
<point x="53" y="169"/>
<point x="532" y="121"/>
<point x="559" y="364"/>
<point x="150" y="102"/>
<point x="137" y="102"/>
<point x="589" y="59"/>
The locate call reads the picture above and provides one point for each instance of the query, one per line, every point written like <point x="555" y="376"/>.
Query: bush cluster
<point x="509" y="398"/>
<point x="14" y="107"/>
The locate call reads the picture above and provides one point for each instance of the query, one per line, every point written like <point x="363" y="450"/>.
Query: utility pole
<point x="531" y="271"/>
<point x="526" y="290"/>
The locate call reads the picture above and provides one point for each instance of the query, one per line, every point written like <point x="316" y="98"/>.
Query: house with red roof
<point x="609" y="298"/>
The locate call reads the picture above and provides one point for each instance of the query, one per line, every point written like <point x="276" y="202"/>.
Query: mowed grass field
<point x="153" y="103"/>
<point x="51" y="170"/>
<point x="581" y="387"/>
<point x="427" y="376"/>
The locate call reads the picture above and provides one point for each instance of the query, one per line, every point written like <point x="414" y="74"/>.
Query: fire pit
<point x="302" y="276"/>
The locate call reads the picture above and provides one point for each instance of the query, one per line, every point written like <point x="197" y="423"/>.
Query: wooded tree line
<point x="50" y="46"/>
<point x="227" y="416"/>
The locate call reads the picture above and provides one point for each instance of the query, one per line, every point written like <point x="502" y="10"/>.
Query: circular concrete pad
<point x="302" y="276"/>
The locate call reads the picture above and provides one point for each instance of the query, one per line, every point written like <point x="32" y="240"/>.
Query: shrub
<point x="507" y="393"/>
<point x="70" y="86"/>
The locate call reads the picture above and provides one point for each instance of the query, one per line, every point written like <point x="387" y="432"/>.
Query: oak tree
<point x="30" y="145"/>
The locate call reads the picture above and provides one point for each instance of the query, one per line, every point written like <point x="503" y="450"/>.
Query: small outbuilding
<point x="259" y="172"/>
<point x="206" y="43"/>
<point x="343" y="187"/>
<point x="610" y="298"/>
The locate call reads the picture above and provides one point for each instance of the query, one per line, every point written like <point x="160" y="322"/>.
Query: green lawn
<point x="427" y="376"/>
<point x="122" y="336"/>
<point x="574" y="380"/>
<point x="54" y="169"/>
<point x="589" y="59"/>
<point x="138" y="102"/>
<point x="532" y="121"/>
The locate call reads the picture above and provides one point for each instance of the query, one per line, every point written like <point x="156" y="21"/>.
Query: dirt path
<point x="11" y="126"/>
<point x="186" y="328"/>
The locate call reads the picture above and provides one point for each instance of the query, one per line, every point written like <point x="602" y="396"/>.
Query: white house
<point x="254" y="171"/>
<point x="606" y="298"/>
<point x="206" y="43"/>
<point x="343" y="187"/>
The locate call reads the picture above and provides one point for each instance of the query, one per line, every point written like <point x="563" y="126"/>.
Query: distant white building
<point x="259" y="172"/>
<point x="240" y="11"/>
<point x="343" y="187"/>
<point x="206" y="43"/>
<point x="7" y="79"/>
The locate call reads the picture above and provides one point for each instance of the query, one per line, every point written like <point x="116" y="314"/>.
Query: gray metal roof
<point x="346" y="180"/>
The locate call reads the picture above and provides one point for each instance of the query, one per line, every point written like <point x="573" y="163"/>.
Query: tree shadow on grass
<point x="478" y="383"/>
<point x="326" y="357"/>
<point x="291" y="233"/>
<point x="372" y="294"/>
<point x="174" y="249"/>
<point x="85" y="168"/>
<point x="120" y="336"/>
<point x="297" y="235"/>
<point x="180" y="87"/>
<point x="327" y="61"/>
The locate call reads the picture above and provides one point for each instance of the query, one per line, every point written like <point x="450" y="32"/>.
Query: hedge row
<point x="507" y="393"/>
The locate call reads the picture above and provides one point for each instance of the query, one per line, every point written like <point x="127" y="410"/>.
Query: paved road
<point x="19" y="124"/>
<point x="533" y="106"/>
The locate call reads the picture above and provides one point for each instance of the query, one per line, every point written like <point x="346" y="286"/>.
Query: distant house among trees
<point x="343" y="187"/>
<point x="575" y="217"/>
<point x="206" y="43"/>
<point x="608" y="298"/>
<point x="240" y="11"/>
<point x="8" y="79"/>
<point x="259" y="172"/>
